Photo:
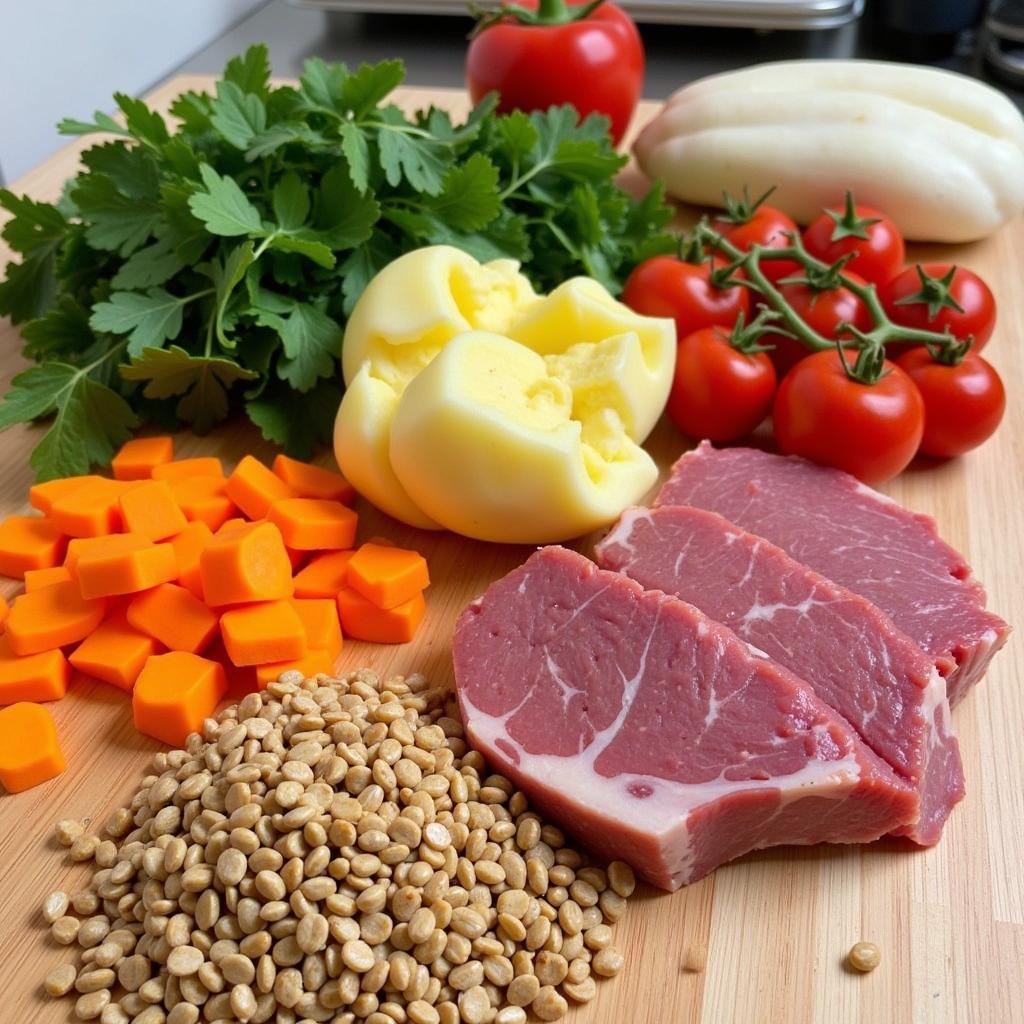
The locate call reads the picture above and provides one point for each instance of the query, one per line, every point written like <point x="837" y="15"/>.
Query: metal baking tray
<point x="759" y="14"/>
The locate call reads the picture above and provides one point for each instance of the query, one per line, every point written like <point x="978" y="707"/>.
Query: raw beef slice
<point x="839" y="643"/>
<point x="651" y="731"/>
<point x="857" y="537"/>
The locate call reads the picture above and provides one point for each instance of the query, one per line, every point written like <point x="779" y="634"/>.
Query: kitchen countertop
<point x="433" y="47"/>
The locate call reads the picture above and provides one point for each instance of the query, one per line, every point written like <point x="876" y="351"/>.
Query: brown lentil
<point x="864" y="956"/>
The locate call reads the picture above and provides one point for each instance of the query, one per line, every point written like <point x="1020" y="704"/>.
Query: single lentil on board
<point x="331" y="850"/>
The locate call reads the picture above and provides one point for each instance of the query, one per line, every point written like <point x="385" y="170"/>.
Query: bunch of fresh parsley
<point x="188" y="272"/>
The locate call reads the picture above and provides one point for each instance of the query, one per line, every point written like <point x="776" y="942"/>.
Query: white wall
<point x="63" y="58"/>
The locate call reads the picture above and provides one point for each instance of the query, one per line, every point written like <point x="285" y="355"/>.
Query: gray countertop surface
<point x="433" y="48"/>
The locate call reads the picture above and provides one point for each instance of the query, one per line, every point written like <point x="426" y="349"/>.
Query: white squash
<point x="940" y="153"/>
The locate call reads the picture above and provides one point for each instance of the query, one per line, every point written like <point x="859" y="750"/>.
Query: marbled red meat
<point x="652" y="732"/>
<point x="849" y="652"/>
<point x="857" y="537"/>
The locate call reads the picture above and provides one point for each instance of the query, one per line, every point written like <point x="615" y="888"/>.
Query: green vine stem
<point x="871" y="344"/>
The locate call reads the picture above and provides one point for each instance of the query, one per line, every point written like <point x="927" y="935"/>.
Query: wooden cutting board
<point x="761" y="940"/>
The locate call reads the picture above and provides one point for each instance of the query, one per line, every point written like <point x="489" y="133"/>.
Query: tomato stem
<point x="869" y="345"/>
<point x="547" y="12"/>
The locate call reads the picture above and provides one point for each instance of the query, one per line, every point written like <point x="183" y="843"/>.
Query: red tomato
<point x="765" y="226"/>
<point x="927" y="297"/>
<point x="869" y="430"/>
<point x="595" y="63"/>
<point x="871" y="236"/>
<point x="666" y="286"/>
<point x="718" y="391"/>
<point x="823" y="311"/>
<point x="963" y="404"/>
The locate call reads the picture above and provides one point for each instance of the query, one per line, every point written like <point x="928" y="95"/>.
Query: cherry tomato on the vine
<point x="719" y="392"/>
<point x="869" y="430"/>
<point x="937" y="296"/>
<point x="963" y="404"/>
<point x="872" y="237"/>
<point x="666" y="286"/>
<point x="821" y="310"/>
<point x="766" y="226"/>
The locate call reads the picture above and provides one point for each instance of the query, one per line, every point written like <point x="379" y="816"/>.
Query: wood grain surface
<point x="763" y="939"/>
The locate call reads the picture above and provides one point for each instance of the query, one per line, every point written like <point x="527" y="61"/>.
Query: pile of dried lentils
<point x="331" y="850"/>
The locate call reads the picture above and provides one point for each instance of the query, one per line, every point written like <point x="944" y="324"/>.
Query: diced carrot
<point x="324" y="576"/>
<point x="387" y="576"/>
<point x="188" y="546"/>
<point x="149" y="509"/>
<point x="42" y="496"/>
<point x="35" y="677"/>
<point x="310" y="664"/>
<point x="115" y="653"/>
<point x="141" y="455"/>
<point x="183" y="468"/>
<point x="311" y="524"/>
<point x="365" y="621"/>
<point x="53" y="617"/>
<point x="320" y="621"/>
<point x="232" y="526"/>
<point x="90" y="510"/>
<point x="309" y="481"/>
<point x="202" y="499"/>
<point x="126" y="572"/>
<point x="254" y="488"/>
<point x="174" y="693"/>
<point x="36" y="579"/>
<point x="82" y="547"/>
<point x="175" y="617"/>
<point x="29" y="542"/>
<point x="268" y="631"/>
<point x="29" y="751"/>
<point x="246" y="565"/>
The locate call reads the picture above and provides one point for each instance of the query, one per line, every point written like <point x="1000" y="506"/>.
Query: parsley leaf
<point x="117" y="222"/>
<point x="148" y="319"/>
<point x="202" y="381"/>
<point x="223" y="207"/>
<point x="296" y="431"/>
<point x="238" y="117"/>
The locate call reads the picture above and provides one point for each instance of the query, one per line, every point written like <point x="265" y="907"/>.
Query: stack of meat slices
<point x="762" y="659"/>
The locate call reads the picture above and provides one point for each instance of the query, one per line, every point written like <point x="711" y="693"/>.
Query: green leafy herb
<point x="192" y="271"/>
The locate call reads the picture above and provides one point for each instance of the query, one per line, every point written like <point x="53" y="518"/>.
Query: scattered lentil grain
<point x="864" y="956"/>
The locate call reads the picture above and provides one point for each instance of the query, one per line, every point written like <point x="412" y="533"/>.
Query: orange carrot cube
<point x="29" y="542"/>
<point x="36" y="579"/>
<point x="387" y="576"/>
<point x="106" y="574"/>
<point x="138" y="457"/>
<point x="246" y="565"/>
<point x="324" y="576"/>
<point x="363" y="620"/>
<point x="311" y="524"/>
<point x="320" y="621"/>
<point x="174" y="693"/>
<point x="53" y="617"/>
<point x="202" y="499"/>
<point x="254" y="488"/>
<point x="90" y="510"/>
<point x="35" y="677"/>
<point x="175" y="617"/>
<point x="29" y="751"/>
<point x="265" y="632"/>
<point x="42" y="496"/>
<point x="205" y="465"/>
<point x="150" y="510"/>
<point x="81" y="547"/>
<point x="309" y="481"/>
<point x="188" y="546"/>
<point x="115" y="653"/>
